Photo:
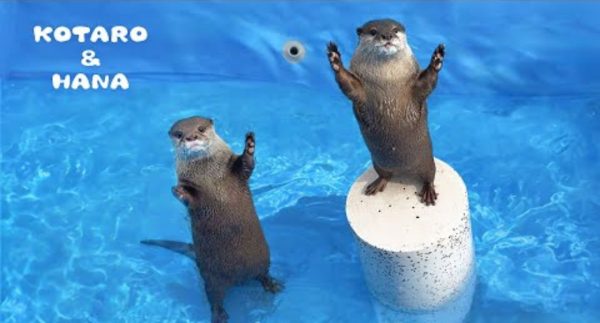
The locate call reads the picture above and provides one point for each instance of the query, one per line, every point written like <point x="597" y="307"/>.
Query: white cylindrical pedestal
<point x="455" y="311"/>
<point x="415" y="257"/>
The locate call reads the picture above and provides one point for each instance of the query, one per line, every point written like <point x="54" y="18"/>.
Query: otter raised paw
<point x="250" y="143"/>
<point x="348" y="82"/>
<point x="335" y="59"/>
<point x="437" y="59"/>
<point x="244" y="164"/>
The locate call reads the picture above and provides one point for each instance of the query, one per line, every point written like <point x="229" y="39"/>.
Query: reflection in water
<point x="454" y="311"/>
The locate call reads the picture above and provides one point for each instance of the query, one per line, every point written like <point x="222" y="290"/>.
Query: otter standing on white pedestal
<point x="415" y="244"/>
<point x="414" y="257"/>
<point x="389" y="94"/>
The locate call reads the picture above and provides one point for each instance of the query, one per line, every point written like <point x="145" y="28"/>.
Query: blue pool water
<point x="86" y="175"/>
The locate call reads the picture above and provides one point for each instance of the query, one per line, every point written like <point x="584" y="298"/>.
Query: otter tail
<point x="183" y="248"/>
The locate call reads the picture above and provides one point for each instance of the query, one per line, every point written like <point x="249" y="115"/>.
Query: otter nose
<point x="191" y="137"/>
<point x="387" y="36"/>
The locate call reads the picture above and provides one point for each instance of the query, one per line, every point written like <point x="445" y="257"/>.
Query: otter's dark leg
<point x="348" y="82"/>
<point x="380" y="183"/>
<point x="215" y="293"/>
<point x="270" y="284"/>
<point x="244" y="164"/>
<point x="427" y="79"/>
<point x="427" y="174"/>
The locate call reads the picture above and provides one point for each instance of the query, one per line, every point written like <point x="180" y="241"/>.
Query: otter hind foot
<point x="376" y="186"/>
<point x="428" y="194"/>
<point x="219" y="315"/>
<point x="270" y="284"/>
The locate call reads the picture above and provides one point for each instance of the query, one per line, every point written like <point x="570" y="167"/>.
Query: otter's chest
<point x="387" y="83"/>
<point x="388" y="106"/>
<point x="211" y="178"/>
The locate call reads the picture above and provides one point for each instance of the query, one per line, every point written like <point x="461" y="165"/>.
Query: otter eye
<point x="373" y="32"/>
<point x="396" y="30"/>
<point x="177" y="135"/>
<point x="201" y="129"/>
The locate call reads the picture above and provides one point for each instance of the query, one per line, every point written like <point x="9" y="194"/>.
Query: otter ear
<point x="211" y="121"/>
<point x="359" y="31"/>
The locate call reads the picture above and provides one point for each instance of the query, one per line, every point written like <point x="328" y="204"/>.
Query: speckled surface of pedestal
<point x="415" y="257"/>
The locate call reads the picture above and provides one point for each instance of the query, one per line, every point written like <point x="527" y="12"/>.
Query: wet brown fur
<point x="389" y="101"/>
<point x="228" y="241"/>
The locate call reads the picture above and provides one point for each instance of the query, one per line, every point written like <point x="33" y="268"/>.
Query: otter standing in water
<point x="229" y="244"/>
<point x="389" y="91"/>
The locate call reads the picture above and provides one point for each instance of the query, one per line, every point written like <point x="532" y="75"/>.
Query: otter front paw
<point x="250" y="143"/>
<point x="437" y="59"/>
<point x="335" y="58"/>
<point x="181" y="194"/>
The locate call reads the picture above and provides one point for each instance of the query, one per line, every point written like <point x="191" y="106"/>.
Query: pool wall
<point x="491" y="46"/>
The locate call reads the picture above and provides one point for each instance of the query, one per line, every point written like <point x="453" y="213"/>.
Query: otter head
<point x="381" y="39"/>
<point x="192" y="137"/>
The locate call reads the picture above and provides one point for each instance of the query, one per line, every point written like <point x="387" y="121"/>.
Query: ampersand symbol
<point x="89" y="58"/>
